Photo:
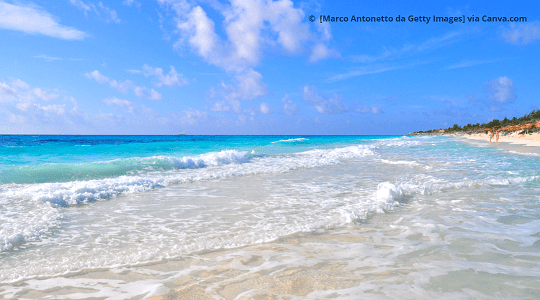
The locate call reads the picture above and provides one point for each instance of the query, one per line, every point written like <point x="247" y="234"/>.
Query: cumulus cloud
<point x="249" y="86"/>
<point x="28" y="109"/>
<point x="220" y="106"/>
<point x="18" y="91"/>
<point x="246" y="86"/>
<point x="249" y="27"/>
<point x="125" y="86"/>
<point x="122" y="103"/>
<point x="41" y="94"/>
<point x="144" y="92"/>
<point x="171" y="79"/>
<point x="321" y="51"/>
<point x="100" y="78"/>
<point x="23" y="103"/>
<point x="193" y="116"/>
<point x="6" y="89"/>
<point x="34" y="20"/>
<point x="265" y="108"/>
<point x="522" y="34"/>
<point x="323" y="105"/>
<point x="501" y="90"/>
<point x="289" y="108"/>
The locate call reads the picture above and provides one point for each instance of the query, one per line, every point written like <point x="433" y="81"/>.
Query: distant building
<point x="441" y="131"/>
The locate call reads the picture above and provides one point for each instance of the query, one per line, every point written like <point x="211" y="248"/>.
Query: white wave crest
<point x="205" y="167"/>
<point x="224" y="157"/>
<point x="345" y="152"/>
<point x="291" y="140"/>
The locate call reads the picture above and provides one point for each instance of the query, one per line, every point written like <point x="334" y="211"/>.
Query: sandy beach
<point x="527" y="143"/>
<point x="532" y="139"/>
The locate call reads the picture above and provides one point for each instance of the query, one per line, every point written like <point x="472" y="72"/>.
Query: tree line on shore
<point x="495" y="124"/>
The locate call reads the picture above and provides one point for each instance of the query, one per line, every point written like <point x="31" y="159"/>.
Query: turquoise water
<point x="437" y="207"/>
<point x="38" y="159"/>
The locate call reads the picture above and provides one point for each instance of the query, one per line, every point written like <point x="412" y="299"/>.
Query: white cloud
<point x="123" y="87"/>
<point x="34" y="20"/>
<point x="325" y="30"/>
<point x="522" y="34"/>
<point x="236" y="106"/>
<point x="198" y="30"/>
<point x="17" y="119"/>
<point x="6" y="89"/>
<point x="392" y="53"/>
<point x="55" y="108"/>
<point x="362" y="71"/>
<point x="365" y="109"/>
<point x="122" y="103"/>
<point x="100" y="78"/>
<point x="289" y="108"/>
<point x="27" y="109"/>
<point x="241" y="119"/>
<point x="41" y="94"/>
<point x="501" y="90"/>
<point x="19" y="84"/>
<point x="439" y="41"/>
<point x="247" y="86"/>
<point x="24" y="104"/>
<point x="321" y="51"/>
<point x="110" y="14"/>
<point x="171" y="79"/>
<point x="249" y="27"/>
<point x="21" y="93"/>
<point x="266" y="109"/>
<point x="244" y="22"/>
<point x="47" y="57"/>
<point x="193" y="116"/>
<point x="145" y="92"/>
<point x="130" y="2"/>
<point x="287" y="22"/>
<point x="81" y="5"/>
<point x="323" y="105"/>
<point x="219" y="106"/>
<point x="470" y="63"/>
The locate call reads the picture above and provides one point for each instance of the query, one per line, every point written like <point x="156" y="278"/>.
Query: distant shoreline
<point x="531" y="140"/>
<point x="528" y="143"/>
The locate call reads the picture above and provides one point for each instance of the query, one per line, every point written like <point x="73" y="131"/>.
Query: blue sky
<point x="261" y="67"/>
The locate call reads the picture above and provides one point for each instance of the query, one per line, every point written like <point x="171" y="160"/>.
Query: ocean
<point x="267" y="217"/>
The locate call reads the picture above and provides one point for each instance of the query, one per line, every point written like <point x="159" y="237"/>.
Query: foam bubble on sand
<point x="22" y="221"/>
<point x="399" y="162"/>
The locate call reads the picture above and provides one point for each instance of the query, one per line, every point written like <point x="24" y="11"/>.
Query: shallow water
<point x="318" y="217"/>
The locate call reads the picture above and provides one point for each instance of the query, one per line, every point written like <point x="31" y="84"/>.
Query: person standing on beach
<point x="490" y="135"/>
<point x="497" y="137"/>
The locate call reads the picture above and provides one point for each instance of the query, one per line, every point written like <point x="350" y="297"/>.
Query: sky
<point x="262" y="67"/>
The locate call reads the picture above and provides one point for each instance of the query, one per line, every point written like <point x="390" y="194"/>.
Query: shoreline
<point x="528" y="143"/>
